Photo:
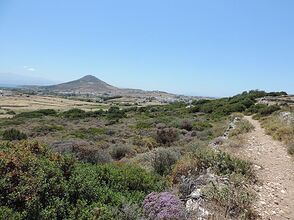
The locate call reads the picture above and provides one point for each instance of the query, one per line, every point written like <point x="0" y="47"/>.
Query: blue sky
<point x="207" y="47"/>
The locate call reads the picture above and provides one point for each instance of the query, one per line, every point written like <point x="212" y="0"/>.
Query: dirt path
<point x="275" y="170"/>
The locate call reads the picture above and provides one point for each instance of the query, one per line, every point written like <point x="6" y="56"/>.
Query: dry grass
<point x="242" y="127"/>
<point x="279" y="129"/>
<point x="235" y="142"/>
<point x="19" y="104"/>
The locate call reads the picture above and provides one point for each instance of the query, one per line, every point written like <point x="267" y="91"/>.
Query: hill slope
<point x="92" y="85"/>
<point x="86" y="84"/>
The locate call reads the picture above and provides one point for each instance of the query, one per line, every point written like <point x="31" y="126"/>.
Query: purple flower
<point x="163" y="205"/>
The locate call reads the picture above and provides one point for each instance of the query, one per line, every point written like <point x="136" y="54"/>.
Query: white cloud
<point x="32" y="69"/>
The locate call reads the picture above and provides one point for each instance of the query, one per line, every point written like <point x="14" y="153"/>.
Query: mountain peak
<point x="89" y="78"/>
<point x="86" y="84"/>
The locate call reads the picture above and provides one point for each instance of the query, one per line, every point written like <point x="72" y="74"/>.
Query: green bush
<point x="9" y="214"/>
<point x="36" y="183"/>
<point x="223" y="107"/>
<point x="89" y="133"/>
<point x="222" y="163"/>
<point x="118" y="152"/>
<point x="201" y="126"/>
<point x="38" y="113"/>
<point x="163" y="161"/>
<point x="114" y="113"/>
<point x="141" y="125"/>
<point x="46" y="129"/>
<point x="11" y="112"/>
<point x="74" y="113"/>
<point x="13" y="134"/>
<point x="263" y="110"/>
<point x="269" y="110"/>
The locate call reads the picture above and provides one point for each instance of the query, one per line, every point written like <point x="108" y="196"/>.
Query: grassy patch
<point x="13" y="134"/>
<point x="88" y="133"/>
<point x="243" y="126"/>
<point x="236" y="198"/>
<point x="45" y="129"/>
<point x="278" y="129"/>
<point x="37" y="114"/>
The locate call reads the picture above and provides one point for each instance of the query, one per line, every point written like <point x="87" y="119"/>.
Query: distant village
<point x="6" y="92"/>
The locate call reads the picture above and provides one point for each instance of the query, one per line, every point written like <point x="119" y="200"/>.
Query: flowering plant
<point x="163" y="205"/>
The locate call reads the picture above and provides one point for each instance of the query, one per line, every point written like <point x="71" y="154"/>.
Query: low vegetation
<point x="37" y="183"/>
<point x="234" y="197"/>
<point x="121" y="163"/>
<point x="13" y="134"/>
<point x="278" y="128"/>
<point x="243" y="126"/>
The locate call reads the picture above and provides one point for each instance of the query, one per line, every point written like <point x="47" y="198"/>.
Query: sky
<point x="192" y="47"/>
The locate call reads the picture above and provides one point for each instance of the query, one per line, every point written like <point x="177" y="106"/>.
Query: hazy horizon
<point x="216" y="48"/>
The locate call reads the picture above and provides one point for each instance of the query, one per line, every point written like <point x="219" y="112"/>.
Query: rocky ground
<point x="275" y="170"/>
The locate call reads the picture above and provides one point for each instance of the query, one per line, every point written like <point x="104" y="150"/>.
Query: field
<point x="22" y="103"/>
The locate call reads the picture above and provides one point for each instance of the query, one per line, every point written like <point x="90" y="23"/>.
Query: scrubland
<point x="122" y="163"/>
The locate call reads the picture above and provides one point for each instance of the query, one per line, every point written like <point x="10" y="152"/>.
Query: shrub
<point x="166" y="136"/>
<point x="89" y="133"/>
<point x="222" y="163"/>
<point x="187" y="166"/>
<point x="11" y="112"/>
<point x="269" y="110"/>
<point x="36" y="183"/>
<point x="145" y="143"/>
<point x="143" y="125"/>
<point x="118" y="152"/>
<point x="9" y="214"/>
<point x="201" y="125"/>
<point x="93" y="156"/>
<point x="114" y="113"/>
<point x="165" y="206"/>
<point x="37" y="114"/>
<point x="13" y="134"/>
<point x="247" y="102"/>
<point x="46" y="129"/>
<point x="74" y="113"/>
<point x="128" y="212"/>
<point x="225" y="106"/>
<point x="186" y="124"/>
<point x="163" y="161"/>
<point x="255" y="108"/>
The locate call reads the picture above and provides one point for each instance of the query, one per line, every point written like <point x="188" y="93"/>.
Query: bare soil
<point x="275" y="171"/>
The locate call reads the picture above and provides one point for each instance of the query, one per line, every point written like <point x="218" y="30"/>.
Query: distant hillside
<point x="92" y="85"/>
<point x="86" y="84"/>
